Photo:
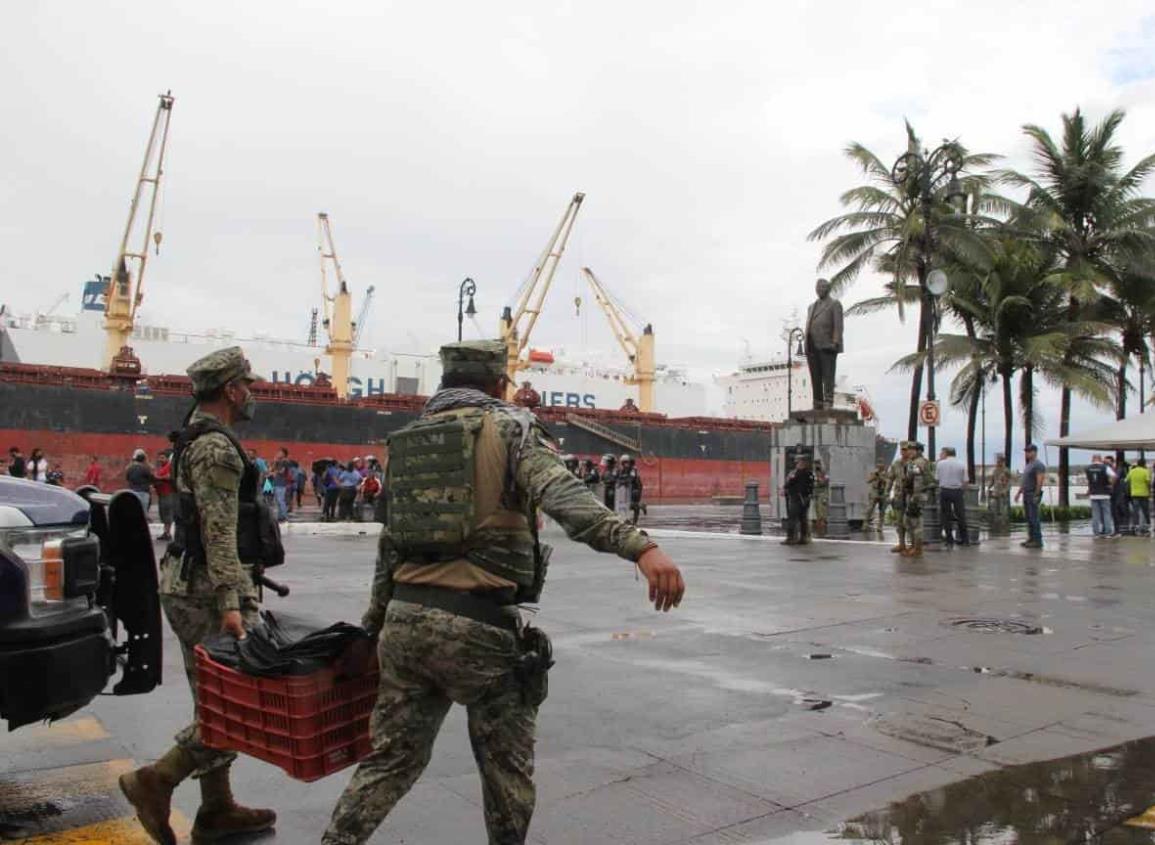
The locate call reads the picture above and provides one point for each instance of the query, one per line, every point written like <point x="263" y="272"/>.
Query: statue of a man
<point x="823" y="343"/>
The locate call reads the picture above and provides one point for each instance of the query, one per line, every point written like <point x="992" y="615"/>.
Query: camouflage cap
<point x="484" y="359"/>
<point x="219" y="368"/>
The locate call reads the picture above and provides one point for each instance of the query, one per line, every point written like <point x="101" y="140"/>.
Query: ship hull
<point x="680" y="461"/>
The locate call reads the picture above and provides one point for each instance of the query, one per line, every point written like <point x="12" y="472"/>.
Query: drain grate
<point x="996" y="626"/>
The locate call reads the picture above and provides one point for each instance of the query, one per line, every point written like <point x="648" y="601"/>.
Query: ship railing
<point x="605" y="432"/>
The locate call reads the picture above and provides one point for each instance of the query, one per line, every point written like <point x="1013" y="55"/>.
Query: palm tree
<point x="891" y="230"/>
<point x="1088" y="209"/>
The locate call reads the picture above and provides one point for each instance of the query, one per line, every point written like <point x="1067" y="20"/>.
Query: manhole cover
<point x="997" y="626"/>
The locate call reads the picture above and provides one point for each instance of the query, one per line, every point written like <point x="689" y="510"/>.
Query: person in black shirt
<point x="798" y="488"/>
<point x="17" y="466"/>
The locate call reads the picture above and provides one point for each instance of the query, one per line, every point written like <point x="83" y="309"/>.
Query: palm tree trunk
<point x="1008" y="417"/>
<point x="1027" y="400"/>
<point x="916" y="376"/>
<point x="972" y="423"/>
<point x="1064" y="454"/>
<point x="1121" y="399"/>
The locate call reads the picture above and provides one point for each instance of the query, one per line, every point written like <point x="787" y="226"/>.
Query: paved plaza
<point x="794" y="690"/>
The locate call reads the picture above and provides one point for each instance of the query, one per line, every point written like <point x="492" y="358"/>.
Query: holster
<point x="535" y="657"/>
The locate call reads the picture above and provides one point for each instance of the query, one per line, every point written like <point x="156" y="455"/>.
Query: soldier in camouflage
<point x="918" y="480"/>
<point x="878" y="487"/>
<point x="821" y="499"/>
<point x="215" y="596"/>
<point x="895" y="480"/>
<point x="458" y="552"/>
<point x="999" y="496"/>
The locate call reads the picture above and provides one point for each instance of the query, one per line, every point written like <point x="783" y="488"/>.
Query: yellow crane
<point x="638" y="348"/>
<point x="338" y="318"/>
<point x="126" y="287"/>
<point x="517" y="322"/>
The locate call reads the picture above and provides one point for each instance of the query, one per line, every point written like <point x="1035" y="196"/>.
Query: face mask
<point x="247" y="409"/>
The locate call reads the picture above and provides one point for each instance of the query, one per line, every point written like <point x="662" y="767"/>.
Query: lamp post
<point x="468" y="288"/>
<point x="931" y="177"/>
<point x="794" y="333"/>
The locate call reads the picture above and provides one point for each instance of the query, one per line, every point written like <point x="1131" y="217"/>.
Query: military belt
<point x="487" y="611"/>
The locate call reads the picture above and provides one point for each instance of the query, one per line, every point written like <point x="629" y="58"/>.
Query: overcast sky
<point x="445" y="139"/>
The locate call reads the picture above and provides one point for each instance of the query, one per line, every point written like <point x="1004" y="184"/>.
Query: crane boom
<point x="338" y="307"/>
<point x="639" y="349"/>
<point x="362" y="315"/>
<point x="517" y="323"/>
<point x="124" y="294"/>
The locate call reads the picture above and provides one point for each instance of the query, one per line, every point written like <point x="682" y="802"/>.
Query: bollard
<point x="751" y="513"/>
<point x="837" y="524"/>
<point x="974" y="515"/>
<point x="932" y="521"/>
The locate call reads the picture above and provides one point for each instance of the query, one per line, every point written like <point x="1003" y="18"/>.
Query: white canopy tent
<point x="1137" y="432"/>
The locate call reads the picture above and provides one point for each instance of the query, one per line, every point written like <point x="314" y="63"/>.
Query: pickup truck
<point x="78" y="600"/>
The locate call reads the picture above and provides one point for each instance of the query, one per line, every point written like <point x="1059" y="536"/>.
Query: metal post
<point x="983" y="463"/>
<point x="468" y="288"/>
<point x="930" y="449"/>
<point x="789" y="375"/>
<point x="751" y="513"/>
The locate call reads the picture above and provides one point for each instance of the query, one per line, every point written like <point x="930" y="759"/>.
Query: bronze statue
<point x="823" y="344"/>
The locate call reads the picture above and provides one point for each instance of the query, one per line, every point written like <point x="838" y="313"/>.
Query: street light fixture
<point x="468" y="288"/>
<point x="794" y="334"/>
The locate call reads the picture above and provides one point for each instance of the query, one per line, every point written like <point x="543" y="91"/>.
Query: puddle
<point x="1084" y="798"/>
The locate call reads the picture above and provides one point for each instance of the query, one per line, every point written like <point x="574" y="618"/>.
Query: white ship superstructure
<point x="758" y="390"/>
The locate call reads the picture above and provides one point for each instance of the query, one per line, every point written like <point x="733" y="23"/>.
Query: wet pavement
<point x="828" y="693"/>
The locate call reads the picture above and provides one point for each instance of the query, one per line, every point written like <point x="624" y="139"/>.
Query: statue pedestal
<point x="847" y="448"/>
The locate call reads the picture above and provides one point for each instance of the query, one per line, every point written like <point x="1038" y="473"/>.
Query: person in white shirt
<point x="952" y="481"/>
<point x="37" y="466"/>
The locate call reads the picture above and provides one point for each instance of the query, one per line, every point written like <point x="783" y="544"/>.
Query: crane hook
<point x="157" y="237"/>
<point x="577" y="301"/>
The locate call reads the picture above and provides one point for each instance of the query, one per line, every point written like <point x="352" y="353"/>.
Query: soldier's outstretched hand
<point x="664" y="577"/>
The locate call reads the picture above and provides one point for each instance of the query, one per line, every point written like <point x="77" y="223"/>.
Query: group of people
<point x="35" y="467"/>
<point x="1120" y="496"/>
<point x="345" y="490"/>
<point x="282" y="481"/>
<point x="805" y="485"/>
<point x="616" y="482"/>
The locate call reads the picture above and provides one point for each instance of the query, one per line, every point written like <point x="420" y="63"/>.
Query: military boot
<point x="149" y="790"/>
<point x="915" y="550"/>
<point x="220" y="816"/>
<point x="901" y="546"/>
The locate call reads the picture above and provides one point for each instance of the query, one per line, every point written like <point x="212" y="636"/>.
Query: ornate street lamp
<point x="794" y="334"/>
<point x="468" y="288"/>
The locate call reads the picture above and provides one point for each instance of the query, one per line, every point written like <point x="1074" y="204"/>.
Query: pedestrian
<point x="999" y="495"/>
<point x="260" y="463"/>
<point x="205" y="590"/>
<point x="138" y="475"/>
<point x="877" y="486"/>
<point x="280" y="472"/>
<point x="17" y="464"/>
<point x="93" y="473"/>
<point x="821" y="499"/>
<point x="37" y="467"/>
<point x="951" y="474"/>
<point x="332" y="486"/>
<point x="1139" y="486"/>
<point x="609" y="480"/>
<point x="166" y="498"/>
<point x="301" y="480"/>
<point x="1120" y="497"/>
<point x="896" y="478"/>
<point x="370" y="488"/>
<point x="56" y="476"/>
<point x="1031" y="492"/>
<point x="347" y="483"/>
<point x="444" y="596"/>
<point x="1100" y="483"/>
<point x="918" y="480"/>
<point x="798" y="488"/>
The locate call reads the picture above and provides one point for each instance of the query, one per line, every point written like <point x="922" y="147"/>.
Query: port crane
<point x="126" y="287"/>
<point x="517" y="322"/>
<point x="639" y="347"/>
<point x="363" y="315"/>
<point x="338" y="316"/>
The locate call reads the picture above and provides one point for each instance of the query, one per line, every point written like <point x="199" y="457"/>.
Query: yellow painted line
<point x="1145" y="821"/>
<point x="58" y="735"/>
<point x="126" y="831"/>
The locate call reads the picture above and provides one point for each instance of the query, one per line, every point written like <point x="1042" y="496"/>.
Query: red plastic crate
<point x="309" y="725"/>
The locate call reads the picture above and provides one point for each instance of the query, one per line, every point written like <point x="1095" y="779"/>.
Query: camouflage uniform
<point x="998" y="499"/>
<point x="917" y="481"/>
<point x="431" y="658"/>
<point x="878" y="486"/>
<point x="821" y="499"/>
<point x="895" y="482"/>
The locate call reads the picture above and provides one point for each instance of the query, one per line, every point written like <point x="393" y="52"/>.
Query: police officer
<point x="631" y="480"/>
<point x="918" y="480"/>
<point x="821" y="499"/>
<point x="205" y="590"/>
<point x="999" y="495"/>
<point x="896" y="481"/>
<point x="877" y="486"/>
<point x="447" y="584"/>
<point x="591" y="476"/>
<point x="798" y="488"/>
<point x="610" y="480"/>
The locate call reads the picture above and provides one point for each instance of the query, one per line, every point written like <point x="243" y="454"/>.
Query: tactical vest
<point x="258" y="535"/>
<point x="432" y="513"/>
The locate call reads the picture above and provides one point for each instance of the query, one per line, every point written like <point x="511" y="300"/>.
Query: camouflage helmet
<point x="484" y="360"/>
<point x="218" y="368"/>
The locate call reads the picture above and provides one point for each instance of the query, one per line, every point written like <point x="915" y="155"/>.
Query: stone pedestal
<point x="751" y="512"/>
<point x="837" y="526"/>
